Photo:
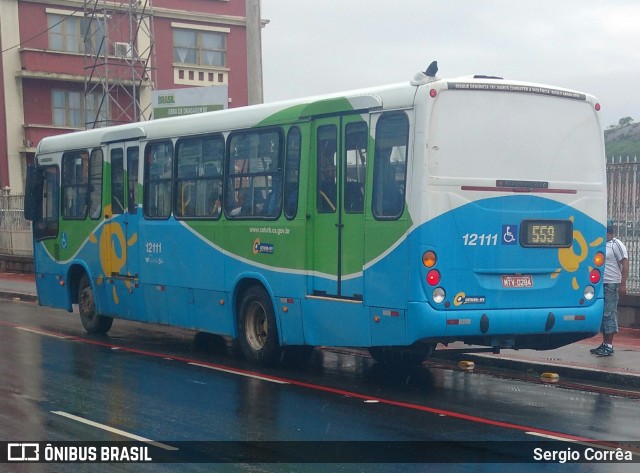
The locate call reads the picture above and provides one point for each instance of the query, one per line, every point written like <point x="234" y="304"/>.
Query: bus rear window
<point x="500" y="135"/>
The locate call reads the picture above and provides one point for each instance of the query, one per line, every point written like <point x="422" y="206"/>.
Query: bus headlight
<point x="438" y="295"/>
<point x="589" y="292"/>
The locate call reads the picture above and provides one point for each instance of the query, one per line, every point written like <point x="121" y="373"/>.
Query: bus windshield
<point x="502" y="135"/>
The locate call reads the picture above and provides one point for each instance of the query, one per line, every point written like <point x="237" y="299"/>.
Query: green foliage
<point x="623" y="140"/>
<point x="625" y="121"/>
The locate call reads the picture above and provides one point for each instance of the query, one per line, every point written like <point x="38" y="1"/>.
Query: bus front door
<point x="338" y="206"/>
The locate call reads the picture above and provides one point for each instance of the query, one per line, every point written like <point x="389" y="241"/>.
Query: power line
<point x="45" y="31"/>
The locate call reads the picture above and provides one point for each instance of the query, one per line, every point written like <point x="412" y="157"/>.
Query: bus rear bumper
<point x="540" y="329"/>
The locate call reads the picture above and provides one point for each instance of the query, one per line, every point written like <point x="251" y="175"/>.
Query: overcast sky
<point x="314" y="47"/>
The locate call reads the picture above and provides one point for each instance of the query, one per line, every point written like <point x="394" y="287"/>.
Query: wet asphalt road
<point x="59" y="384"/>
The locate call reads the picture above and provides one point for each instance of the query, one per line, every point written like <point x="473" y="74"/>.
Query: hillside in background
<point x="623" y="141"/>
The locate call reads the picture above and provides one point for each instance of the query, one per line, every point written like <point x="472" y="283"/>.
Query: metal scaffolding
<point x="120" y="70"/>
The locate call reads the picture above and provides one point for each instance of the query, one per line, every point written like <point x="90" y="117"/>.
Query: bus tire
<point x="258" y="334"/>
<point x="92" y="322"/>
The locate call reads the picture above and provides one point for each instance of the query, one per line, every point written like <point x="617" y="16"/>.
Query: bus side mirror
<point x="32" y="193"/>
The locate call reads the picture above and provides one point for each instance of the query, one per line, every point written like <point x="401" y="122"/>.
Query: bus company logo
<point x="462" y="299"/>
<point x="264" y="248"/>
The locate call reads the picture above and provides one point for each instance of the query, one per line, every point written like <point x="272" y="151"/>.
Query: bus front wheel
<point x="257" y="327"/>
<point x="91" y="320"/>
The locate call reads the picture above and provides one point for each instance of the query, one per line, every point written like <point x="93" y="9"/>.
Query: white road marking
<point x="25" y="329"/>
<point x="277" y="381"/>
<point x="113" y="430"/>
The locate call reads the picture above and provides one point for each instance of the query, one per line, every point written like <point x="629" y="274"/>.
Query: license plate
<point x="521" y="280"/>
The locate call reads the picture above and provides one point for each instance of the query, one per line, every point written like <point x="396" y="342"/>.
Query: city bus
<point x="391" y="219"/>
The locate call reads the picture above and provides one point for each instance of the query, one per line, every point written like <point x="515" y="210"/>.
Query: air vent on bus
<point x="481" y="76"/>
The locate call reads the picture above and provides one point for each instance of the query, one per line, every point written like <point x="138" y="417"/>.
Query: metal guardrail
<point x="623" y="206"/>
<point x="15" y="230"/>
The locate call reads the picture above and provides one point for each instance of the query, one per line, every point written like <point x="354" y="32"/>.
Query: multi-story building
<point x="68" y="65"/>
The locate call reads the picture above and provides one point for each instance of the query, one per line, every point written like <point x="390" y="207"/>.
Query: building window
<point x="204" y="48"/>
<point x="68" y="109"/>
<point x="75" y="34"/>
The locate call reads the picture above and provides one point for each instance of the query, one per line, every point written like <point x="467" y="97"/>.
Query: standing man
<point x="616" y="272"/>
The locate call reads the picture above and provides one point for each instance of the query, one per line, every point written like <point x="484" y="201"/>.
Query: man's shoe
<point x="604" y="351"/>
<point x="594" y="350"/>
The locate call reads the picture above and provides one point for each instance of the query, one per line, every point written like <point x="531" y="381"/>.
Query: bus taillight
<point x="429" y="259"/>
<point x="433" y="277"/>
<point x="598" y="258"/>
<point x="594" y="276"/>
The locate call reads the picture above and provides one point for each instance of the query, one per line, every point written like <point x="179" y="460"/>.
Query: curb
<point x="527" y="366"/>
<point x="18" y="296"/>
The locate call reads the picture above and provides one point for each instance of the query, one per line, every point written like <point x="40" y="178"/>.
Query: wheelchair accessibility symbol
<point x="509" y="234"/>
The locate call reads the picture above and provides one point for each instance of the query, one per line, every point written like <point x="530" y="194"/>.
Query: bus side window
<point x="75" y="184"/>
<point x="158" y="179"/>
<point x="199" y="177"/>
<point x="326" y="198"/>
<point x="117" y="181"/>
<point x="292" y="173"/>
<point x="95" y="184"/>
<point x="355" y="166"/>
<point x="390" y="166"/>
<point x="45" y="195"/>
<point x="132" y="178"/>
<point x="254" y="175"/>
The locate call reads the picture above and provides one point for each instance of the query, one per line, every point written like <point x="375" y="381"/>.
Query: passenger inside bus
<point x="242" y="205"/>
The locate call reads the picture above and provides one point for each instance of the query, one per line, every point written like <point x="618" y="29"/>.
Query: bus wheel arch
<point x="74" y="276"/>
<point x="91" y="319"/>
<point x="258" y="338"/>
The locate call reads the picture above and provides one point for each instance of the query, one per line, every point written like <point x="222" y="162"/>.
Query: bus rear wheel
<point x="91" y="321"/>
<point x="257" y="327"/>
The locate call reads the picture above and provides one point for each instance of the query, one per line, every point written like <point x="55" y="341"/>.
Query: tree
<point x="625" y="121"/>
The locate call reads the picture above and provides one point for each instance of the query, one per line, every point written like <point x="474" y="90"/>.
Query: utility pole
<point x="254" y="53"/>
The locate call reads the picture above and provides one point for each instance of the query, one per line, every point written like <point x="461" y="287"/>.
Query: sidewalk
<point x="572" y="361"/>
<point x="18" y="286"/>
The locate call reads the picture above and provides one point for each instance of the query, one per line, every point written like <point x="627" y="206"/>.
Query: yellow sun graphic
<point x="570" y="260"/>
<point x="113" y="251"/>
